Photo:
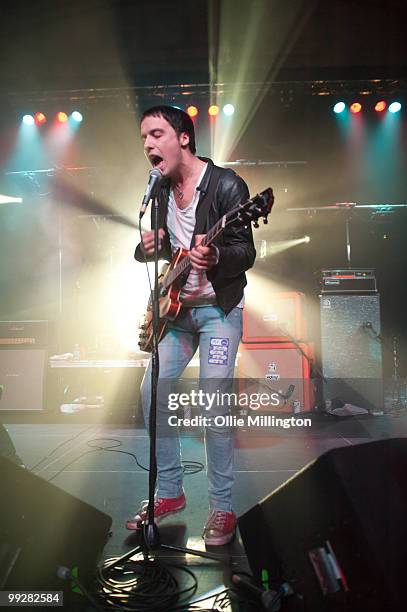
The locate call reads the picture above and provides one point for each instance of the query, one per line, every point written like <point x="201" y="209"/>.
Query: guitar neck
<point x="185" y="264"/>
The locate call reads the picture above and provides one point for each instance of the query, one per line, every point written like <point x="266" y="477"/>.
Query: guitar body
<point x="169" y="305"/>
<point x="169" y="280"/>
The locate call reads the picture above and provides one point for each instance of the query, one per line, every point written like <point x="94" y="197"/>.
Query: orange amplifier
<point x="283" y="367"/>
<point x="274" y="317"/>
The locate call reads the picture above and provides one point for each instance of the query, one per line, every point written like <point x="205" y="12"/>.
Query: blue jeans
<point x="217" y="337"/>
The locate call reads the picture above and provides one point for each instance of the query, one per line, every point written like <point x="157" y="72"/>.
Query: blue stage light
<point x="77" y="116"/>
<point x="228" y="109"/>
<point x="28" y="120"/>
<point x="395" y="107"/>
<point x="339" y="107"/>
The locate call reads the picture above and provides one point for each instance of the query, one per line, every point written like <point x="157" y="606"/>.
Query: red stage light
<point x="62" y="117"/>
<point x="380" y="106"/>
<point x="355" y="108"/>
<point x="192" y="111"/>
<point x="213" y="110"/>
<point x="40" y="118"/>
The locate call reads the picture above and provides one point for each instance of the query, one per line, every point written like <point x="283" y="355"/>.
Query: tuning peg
<point x="255" y="224"/>
<point x="265" y="220"/>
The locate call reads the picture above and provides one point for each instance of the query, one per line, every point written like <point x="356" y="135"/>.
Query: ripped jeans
<point x="217" y="337"/>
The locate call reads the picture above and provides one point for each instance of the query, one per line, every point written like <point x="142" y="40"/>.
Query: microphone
<point x="151" y="190"/>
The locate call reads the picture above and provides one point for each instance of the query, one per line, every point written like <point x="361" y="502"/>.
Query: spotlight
<point x="355" y="108"/>
<point x="395" y="107"/>
<point x="77" y="116"/>
<point x="213" y="110"/>
<point x="307" y="239"/>
<point x="380" y="106"/>
<point x="28" y="120"/>
<point x="228" y="109"/>
<point x="40" y="118"/>
<point x="339" y="107"/>
<point x="192" y="111"/>
<point x="62" y="117"/>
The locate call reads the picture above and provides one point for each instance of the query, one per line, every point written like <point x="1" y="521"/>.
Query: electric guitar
<point x="169" y="285"/>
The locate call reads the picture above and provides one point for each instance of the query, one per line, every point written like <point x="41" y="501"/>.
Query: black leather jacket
<point x="236" y="248"/>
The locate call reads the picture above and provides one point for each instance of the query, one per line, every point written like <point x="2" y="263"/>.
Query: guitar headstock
<point x="259" y="206"/>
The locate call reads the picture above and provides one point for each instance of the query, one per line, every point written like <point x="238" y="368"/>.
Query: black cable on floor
<point x="143" y="585"/>
<point x="189" y="467"/>
<point x="60" y="445"/>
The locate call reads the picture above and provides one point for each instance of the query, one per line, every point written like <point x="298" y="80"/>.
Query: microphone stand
<point x="150" y="530"/>
<point x="150" y="537"/>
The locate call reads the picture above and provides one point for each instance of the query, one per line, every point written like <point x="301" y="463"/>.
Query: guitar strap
<point x="204" y="204"/>
<point x="202" y="210"/>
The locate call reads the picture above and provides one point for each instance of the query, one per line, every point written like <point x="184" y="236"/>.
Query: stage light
<point x="213" y="110"/>
<point x="228" y="109"/>
<point x="62" y="117"/>
<point x="40" y="118"/>
<point x="77" y="116"/>
<point x="28" y="120"/>
<point x="339" y="107"/>
<point x="307" y="239"/>
<point x="4" y="199"/>
<point x="380" y="106"/>
<point x="395" y="107"/>
<point x="192" y="111"/>
<point x="355" y="108"/>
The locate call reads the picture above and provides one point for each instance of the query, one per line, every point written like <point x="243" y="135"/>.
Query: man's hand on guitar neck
<point x="148" y="241"/>
<point x="203" y="258"/>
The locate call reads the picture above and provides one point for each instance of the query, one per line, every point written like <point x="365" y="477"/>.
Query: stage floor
<point x="113" y="482"/>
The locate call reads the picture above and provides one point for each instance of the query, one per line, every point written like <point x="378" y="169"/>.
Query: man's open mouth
<point x="155" y="160"/>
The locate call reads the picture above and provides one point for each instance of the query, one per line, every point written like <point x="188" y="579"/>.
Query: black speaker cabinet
<point x="43" y="527"/>
<point x="337" y="530"/>
<point x="351" y="350"/>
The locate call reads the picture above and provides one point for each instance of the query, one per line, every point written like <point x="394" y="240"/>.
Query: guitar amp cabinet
<point x="23" y="356"/>
<point x="351" y="350"/>
<point x="276" y="317"/>
<point x="284" y="367"/>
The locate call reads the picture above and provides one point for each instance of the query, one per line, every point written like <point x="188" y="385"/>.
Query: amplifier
<point x="281" y="366"/>
<point x="273" y="317"/>
<point x="23" y="333"/>
<point x="351" y="349"/>
<point x="22" y="378"/>
<point x="356" y="280"/>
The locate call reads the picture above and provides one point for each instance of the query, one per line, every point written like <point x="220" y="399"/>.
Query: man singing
<point x="193" y="196"/>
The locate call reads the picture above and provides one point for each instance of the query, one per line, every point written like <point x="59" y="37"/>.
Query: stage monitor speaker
<point x="351" y="350"/>
<point x="22" y="378"/>
<point x="274" y="317"/>
<point x="43" y="527"/>
<point x="337" y="530"/>
<point x="280" y="365"/>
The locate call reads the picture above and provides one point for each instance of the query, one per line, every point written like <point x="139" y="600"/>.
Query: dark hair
<point x="177" y="118"/>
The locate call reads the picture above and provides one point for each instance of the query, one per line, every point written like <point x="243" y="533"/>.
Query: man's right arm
<point x="145" y="250"/>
